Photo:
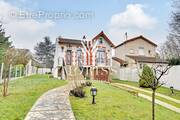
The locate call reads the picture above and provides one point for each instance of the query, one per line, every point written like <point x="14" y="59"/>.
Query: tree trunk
<point x="153" y="105"/>
<point x="4" y="87"/>
<point x="37" y="70"/>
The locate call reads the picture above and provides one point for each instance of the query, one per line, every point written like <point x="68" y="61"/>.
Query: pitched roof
<point x="101" y="34"/>
<point x="135" y="38"/>
<point x="119" y="60"/>
<point x="69" y="41"/>
<point x="146" y="59"/>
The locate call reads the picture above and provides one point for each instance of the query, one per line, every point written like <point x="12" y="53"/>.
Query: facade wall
<point x="89" y="57"/>
<point x="108" y="52"/>
<point x="132" y="48"/>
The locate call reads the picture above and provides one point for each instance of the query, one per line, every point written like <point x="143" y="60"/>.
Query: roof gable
<point x="137" y="38"/>
<point x="101" y="34"/>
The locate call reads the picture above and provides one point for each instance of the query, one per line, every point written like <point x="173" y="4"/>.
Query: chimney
<point x="84" y="37"/>
<point x="126" y="36"/>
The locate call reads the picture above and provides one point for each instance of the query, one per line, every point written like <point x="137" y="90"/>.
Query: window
<point x="141" y="66"/>
<point x="79" y="56"/>
<point x="141" y="50"/>
<point x="100" y="40"/>
<point x="100" y="56"/>
<point x="69" y="57"/>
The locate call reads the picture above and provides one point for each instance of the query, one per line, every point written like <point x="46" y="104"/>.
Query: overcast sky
<point x="28" y="21"/>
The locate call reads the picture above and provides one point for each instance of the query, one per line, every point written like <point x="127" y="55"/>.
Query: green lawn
<point x="116" y="104"/>
<point x="162" y="90"/>
<point x="22" y="95"/>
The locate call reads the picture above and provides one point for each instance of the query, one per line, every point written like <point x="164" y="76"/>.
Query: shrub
<point x="147" y="77"/>
<point x="78" y="92"/>
<point x="48" y="73"/>
<point x="50" y="76"/>
<point x="83" y="84"/>
<point x="174" y="61"/>
<point x="88" y="83"/>
<point x="87" y="78"/>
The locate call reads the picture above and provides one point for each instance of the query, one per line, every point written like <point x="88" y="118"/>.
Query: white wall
<point x="171" y="79"/>
<point x="128" y="74"/>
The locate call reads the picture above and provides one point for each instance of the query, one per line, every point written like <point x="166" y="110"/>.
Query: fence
<point x="31" y="69"/>
<point x="15" y="72"/>
<point x="171" y="79"/>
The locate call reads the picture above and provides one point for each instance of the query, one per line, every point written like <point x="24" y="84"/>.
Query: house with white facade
<point x="93" y="57"/>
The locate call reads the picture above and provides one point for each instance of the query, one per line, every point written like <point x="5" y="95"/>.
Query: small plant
<point x="78" y="92"/>
<point x="88" y="83"/>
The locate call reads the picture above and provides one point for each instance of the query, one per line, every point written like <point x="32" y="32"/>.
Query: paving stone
<point x="53" y="105"/>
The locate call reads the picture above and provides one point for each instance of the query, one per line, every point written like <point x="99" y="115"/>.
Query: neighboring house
<point x="135" y="52"/>
<point x="91" y="56"/>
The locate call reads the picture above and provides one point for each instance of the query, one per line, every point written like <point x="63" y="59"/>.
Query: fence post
<point x="2" y="66"/>
<point x="20" y="71"/>
<point x="16" y="72"/>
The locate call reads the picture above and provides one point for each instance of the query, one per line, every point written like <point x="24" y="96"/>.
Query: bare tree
<point x="159" y="70"/>
<point x="8" y="59"/>
<point x="171" y="47"/>
<point x="23" y="57"/>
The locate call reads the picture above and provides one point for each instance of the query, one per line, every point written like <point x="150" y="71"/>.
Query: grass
<point x="115" y="104"/>
<point x="162" y="90"/>
<point x="22" y="95"/>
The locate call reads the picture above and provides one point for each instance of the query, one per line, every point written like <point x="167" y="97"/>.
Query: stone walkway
<point x="164" y="104"/>
<point x="150" y="92"/>
<point x="53" y="105"/>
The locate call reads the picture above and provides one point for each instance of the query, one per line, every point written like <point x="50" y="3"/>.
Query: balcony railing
<point x="102" y="62"/>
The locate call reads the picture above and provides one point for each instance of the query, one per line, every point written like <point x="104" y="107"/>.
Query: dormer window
<point x="100" y="40"/>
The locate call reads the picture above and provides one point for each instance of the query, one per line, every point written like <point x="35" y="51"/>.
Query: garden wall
<point x="171" y="79"/>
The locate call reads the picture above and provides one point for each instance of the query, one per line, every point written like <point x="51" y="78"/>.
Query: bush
<point x="174" y="61"/>
<point x="88" y="83"/>
<point x="78" y="92"/>
<point x="147" y="77"/>
<point x="87" y="78"/>
<point x="83" y="84"/>
<point x="50" y="76"/>
<point x="48" y="73"/>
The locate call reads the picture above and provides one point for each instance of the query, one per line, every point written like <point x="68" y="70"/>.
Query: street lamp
<point x="172" y="89"/>
<point x="93" y="93"/>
